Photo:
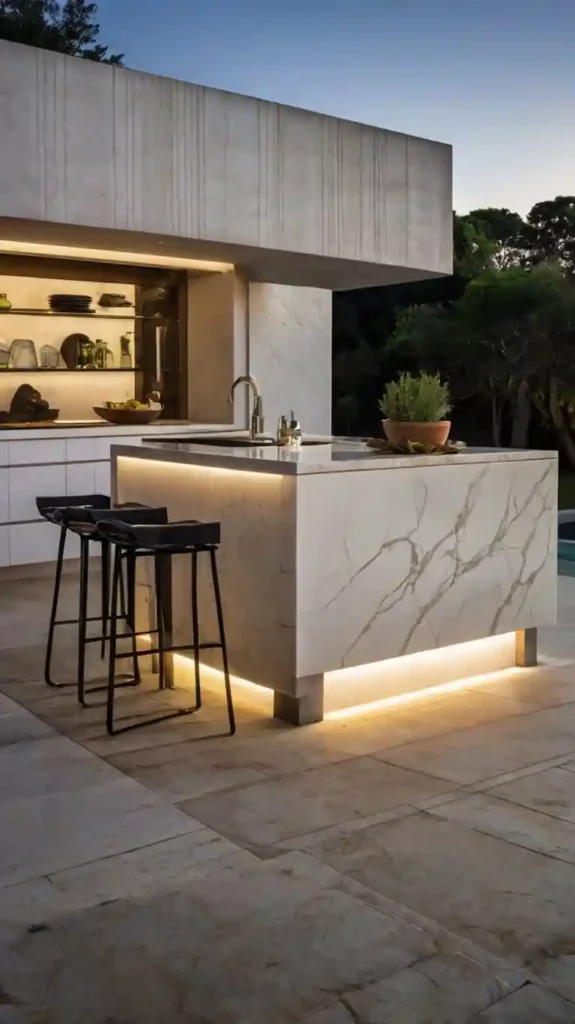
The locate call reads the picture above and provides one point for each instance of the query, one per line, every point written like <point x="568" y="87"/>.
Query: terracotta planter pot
<point x="426" y="433"/>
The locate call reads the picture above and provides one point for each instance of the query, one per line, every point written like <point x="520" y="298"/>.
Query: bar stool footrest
<point x="178" y="713"/>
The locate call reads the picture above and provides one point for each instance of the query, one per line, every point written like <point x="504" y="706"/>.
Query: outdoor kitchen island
<point x="349" y="577"/>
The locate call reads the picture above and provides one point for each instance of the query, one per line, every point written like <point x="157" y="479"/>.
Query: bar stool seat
<point x="162" y="541"/>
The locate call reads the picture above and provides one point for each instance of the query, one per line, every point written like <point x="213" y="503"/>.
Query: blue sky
<point x="496" y="78"/>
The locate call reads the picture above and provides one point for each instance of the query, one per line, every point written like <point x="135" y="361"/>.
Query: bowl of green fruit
<point x="131" y="413"/>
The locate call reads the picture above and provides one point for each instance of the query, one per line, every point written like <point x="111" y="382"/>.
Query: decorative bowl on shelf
<point x="127" y="417"/>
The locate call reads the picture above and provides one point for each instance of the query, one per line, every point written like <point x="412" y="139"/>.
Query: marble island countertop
<point x="318" y="455"/>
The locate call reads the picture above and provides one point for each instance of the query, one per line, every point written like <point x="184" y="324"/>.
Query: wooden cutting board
<point x="28" y="426"/>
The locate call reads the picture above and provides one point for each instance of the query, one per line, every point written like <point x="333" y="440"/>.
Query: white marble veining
<point x="410" y="561"/>
<point x="324" y="567"/>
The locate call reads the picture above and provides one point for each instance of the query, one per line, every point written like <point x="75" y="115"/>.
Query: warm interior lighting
<point x="212" y="470"/>
<point x="111" y="256"/>
<point x="427" y="691"/>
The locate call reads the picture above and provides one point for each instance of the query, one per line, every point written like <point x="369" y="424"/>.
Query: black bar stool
<point x="162" y="542"/>
<point x="52" y="509"/>
<point x="84" y="523"/>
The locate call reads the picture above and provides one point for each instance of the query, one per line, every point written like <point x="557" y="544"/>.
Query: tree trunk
<point x="521" y="417"/>
<point x="561" y="426"/>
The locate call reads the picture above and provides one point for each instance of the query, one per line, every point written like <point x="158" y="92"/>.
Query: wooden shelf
<point x="76" y="369"/>
<point x="82" y="316"/>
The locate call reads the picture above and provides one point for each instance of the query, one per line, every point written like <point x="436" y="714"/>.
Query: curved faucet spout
<point x="257" y="417"/>
<point x="246" y="378"/>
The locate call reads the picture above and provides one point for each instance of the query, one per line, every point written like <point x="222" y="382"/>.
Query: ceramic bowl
<point x="127" y="417"/>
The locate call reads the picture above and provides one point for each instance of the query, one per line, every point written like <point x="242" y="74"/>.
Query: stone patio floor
<point x="410" y="866"/>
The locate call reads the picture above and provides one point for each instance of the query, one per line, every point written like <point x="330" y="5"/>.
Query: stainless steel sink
<point x="232" y="442"/>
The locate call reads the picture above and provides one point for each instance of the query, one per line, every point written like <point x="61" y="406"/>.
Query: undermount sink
<point x="234" y="442"/>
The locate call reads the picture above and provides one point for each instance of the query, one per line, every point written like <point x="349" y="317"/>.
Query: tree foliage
<point x="501" y="331"/>
<point x="67" y="27"/>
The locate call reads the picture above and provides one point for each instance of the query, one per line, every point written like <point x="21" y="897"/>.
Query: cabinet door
<point x="102" y="481"/>
<point x="36" y="453"/>
<point x="4" y="503"/>
<point x="26" y="483"/>
<point x="4" y="545"/>
<point x="80" y="478"/>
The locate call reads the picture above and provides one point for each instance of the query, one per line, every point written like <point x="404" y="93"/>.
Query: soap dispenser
<point x="295" y="428"/>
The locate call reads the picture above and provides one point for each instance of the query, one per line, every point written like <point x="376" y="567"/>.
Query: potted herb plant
<point x="415" y="409"/>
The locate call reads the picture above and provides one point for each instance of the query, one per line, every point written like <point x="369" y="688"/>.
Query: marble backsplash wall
<point x="289" y="353"/>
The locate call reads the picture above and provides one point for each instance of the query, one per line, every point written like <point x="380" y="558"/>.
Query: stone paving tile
<point x="519" y="825"/>
<point x="198" y="854"/>
<point x="190" y="770"/>
<point x="271" y="942"/>
<point x="427" y="717"/>
<point x="7" y="705"/>
<point x="504" y="898"/>
<point x="439" y="990"/>
<point x="310" y="839"/>
<point x="489" y="750"/>
<point x="294" y="805"/>
<point x="48" y="833"/>
<point x="54" y="764"/>
<point x="551" y="792"/>
<point x="18" y="726"/>
<point x="530" y="1005"/>
<point x="539" y="687"/>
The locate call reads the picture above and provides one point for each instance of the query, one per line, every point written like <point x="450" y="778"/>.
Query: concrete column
<point x="290" y="353"/>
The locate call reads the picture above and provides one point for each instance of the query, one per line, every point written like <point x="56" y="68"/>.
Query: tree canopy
<point x="67" y="27"/>
<point x="501" y="330"/>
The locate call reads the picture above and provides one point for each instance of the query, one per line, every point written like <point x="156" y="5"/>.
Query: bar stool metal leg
<point x="160" y="620"/>
<point x="116" y="575"/>
<point x="83" y="615"/>
<point x="105" y="594"/>
<point x="196" y="628"/>
<point x="54" y="611"/>
<point x="216" y="583"/>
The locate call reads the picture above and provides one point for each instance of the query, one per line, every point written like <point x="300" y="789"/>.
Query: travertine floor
<point x="415" y="866"/>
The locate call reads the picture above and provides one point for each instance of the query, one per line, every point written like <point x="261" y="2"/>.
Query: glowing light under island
<point x="422" y="663"/>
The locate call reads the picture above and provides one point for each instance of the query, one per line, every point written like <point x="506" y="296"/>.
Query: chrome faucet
<point x="257" y="417"/>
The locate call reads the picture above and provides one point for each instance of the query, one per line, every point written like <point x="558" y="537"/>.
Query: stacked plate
<point x="71" y="304"/>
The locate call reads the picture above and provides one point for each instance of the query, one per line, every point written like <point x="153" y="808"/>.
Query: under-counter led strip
<point x="193" y="467"/>
<point x="455" y="686"/>
<point x="427" y="691"/>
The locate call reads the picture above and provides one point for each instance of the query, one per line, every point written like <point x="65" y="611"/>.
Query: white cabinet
<point x="80" y="478"/>
<point x="36" y="453"/>
<point x="4" y="545"/>
<point x="50" y="466"/>
<point x="4" y="503"/>
<point x="85" y="449"/>
<point x="26" y="483"/>
<point x="38" y="542"/>
<point x="102" y="478"/>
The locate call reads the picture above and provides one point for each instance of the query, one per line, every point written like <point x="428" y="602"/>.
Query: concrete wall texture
<point x="289" y="353"/>
<point x="88" y="144"/>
